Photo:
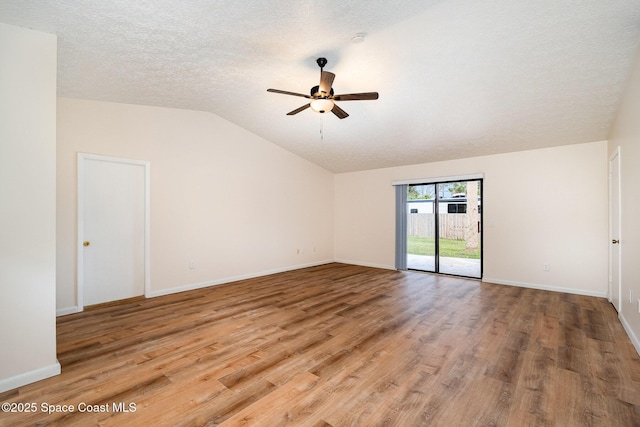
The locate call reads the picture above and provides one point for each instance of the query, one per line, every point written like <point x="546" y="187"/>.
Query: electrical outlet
<point x="192" y="264"/>
<point x="546" y="267"/>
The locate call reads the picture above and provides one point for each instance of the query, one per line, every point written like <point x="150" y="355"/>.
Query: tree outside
<point x="457" y="188"/>
<point x="472" y="218"/>
<point x="420" y="192"/>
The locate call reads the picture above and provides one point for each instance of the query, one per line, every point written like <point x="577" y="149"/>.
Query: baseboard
<point x="67" y="310"/>
<point x="193" y="286"/>
<point x="629" y="331"/>
<point x="365" y="264"/>
<point x="30" y="377"/>
<point x="546" y="287"/>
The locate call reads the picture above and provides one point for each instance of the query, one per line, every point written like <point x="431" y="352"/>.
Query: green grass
<point x="448" y="248"/>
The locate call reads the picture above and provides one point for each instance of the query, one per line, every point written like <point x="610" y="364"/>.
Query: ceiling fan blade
<point x="284" y="92"/>
<point x="326" y="80"/>
<point x="339" y="112"/>
<point x="356" y="96"/>
<point x="297" y="110"/>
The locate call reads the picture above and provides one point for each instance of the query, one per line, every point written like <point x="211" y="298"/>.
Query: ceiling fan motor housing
<point x="316" y="91"/>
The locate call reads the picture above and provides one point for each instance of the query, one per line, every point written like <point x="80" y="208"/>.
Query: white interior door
<point x="112" y="229"/>
<point x="614" y="233"/>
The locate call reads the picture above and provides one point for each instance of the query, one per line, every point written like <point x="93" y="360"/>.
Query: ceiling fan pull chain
<point x="321" y="130"/>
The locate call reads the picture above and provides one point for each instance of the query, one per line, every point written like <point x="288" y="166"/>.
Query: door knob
<point x="86" y="243"/>
<point x="614" y="241"/>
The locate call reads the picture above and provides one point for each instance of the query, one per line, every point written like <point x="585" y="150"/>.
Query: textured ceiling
<point x="456" y="78"/>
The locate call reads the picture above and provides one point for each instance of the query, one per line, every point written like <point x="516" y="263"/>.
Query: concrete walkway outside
<point x="459" y="266"/>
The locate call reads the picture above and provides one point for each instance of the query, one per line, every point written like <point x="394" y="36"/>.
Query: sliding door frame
<point x="401" y="219"/>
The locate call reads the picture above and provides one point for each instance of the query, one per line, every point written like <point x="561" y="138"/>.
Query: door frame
<point x="618" y="233"/>
<point x="81" y="158"/>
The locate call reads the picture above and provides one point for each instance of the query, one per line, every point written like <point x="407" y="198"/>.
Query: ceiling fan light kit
<point x="322" y="105"/>
<point x="322" y="97"/>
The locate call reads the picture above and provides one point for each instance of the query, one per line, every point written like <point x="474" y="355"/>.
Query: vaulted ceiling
<point x="456" y="78"/>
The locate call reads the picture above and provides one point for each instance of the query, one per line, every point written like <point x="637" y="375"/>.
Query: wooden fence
<point x="423" y="225"/>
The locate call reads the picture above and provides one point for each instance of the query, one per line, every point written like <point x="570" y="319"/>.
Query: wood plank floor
<point x="339" y="345"/>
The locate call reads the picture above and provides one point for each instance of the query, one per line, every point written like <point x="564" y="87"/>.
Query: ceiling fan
<point x="323" y="99"/>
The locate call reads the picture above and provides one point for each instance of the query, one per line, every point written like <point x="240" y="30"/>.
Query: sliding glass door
<point x="444" y="227"/>
<point x="421" y="226"/>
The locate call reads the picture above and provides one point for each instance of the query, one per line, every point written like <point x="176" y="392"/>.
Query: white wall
<point x="540" y="206"/>
<point x="27" y="209"/>
<point x="626" y="135"/>
<point x="235" y="203"/>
